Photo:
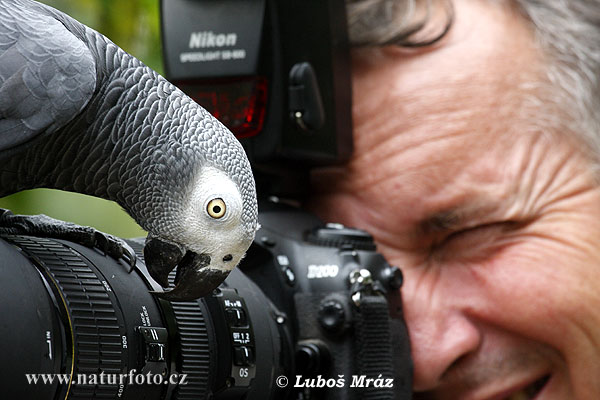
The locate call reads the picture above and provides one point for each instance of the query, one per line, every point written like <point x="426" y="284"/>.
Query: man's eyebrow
<point x="454" y="218"/>
<point x="441" y="221"/>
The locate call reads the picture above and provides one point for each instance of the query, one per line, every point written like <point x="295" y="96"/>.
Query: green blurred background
<point x="134" y="26"/>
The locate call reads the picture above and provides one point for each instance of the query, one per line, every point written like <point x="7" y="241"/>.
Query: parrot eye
<point x="216" y="208"/>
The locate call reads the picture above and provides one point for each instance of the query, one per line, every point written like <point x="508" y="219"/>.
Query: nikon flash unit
<point x="275" y="72"/>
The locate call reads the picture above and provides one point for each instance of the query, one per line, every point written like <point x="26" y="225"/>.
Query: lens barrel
<point x="97" y="340"/>
<point x="83" y="320"/>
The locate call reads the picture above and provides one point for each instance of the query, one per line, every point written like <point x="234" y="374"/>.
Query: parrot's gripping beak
<point x="194" y="278"/>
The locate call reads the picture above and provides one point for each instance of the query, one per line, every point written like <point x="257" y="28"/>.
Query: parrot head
<point x="194" y="194"/>
<point x="208" y="237"/>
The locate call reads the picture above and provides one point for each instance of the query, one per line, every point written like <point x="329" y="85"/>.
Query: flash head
<point x="275" y="72"/>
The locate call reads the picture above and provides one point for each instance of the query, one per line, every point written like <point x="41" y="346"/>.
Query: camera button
<point x="156" y="352"/>
<point x="267" y="241"/>
<point x="290" y="277"/>
<point x="236" y="317"/>
<point x="243" y="355"/>
<point x="154" y="342"/>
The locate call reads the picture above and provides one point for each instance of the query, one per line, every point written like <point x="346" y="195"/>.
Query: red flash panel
<point x="239" y="104"/>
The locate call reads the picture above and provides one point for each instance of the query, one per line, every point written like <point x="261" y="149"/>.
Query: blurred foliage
<point x="134" y="26"/>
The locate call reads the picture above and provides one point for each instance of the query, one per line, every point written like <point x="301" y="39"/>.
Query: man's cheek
<point x="533" y="289"/>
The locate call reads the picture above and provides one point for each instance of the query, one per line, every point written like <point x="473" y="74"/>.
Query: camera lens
<point x="77" y="324"/>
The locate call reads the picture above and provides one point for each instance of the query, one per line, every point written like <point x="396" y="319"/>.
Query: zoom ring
<point x="95" y="323"/>
<point x="195" y="348"/>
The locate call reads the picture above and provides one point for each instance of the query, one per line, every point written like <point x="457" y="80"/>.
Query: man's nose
<point x="441" y="332"/>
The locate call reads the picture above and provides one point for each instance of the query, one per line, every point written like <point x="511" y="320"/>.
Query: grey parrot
<point x="78" y="113"/>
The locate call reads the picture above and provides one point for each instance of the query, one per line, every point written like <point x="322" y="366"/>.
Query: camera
<point x="312" y="312"/>
<point x="305" y="316"/>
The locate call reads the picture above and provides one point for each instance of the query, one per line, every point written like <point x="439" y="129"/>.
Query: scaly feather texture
<point x="78" y="113"/>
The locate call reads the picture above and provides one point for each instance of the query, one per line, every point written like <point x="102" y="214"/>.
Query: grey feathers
<point x="46" y="75"/>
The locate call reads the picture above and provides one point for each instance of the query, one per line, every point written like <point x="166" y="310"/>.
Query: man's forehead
<point x="448" y="182"/>
<point x="499" y="180"/>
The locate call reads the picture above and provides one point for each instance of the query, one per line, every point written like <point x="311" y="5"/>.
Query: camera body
<point x="339" y="295"/>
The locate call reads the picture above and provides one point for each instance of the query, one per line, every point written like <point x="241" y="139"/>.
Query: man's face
<point x="494" y="219"/>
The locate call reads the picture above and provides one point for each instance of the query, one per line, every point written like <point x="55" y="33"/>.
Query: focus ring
<point x="94" y="321"/>
<point x="195" y="351"/>
<point x="194" y="344"/>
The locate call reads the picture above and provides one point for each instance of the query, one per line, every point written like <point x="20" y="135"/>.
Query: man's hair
<point x="406" y="23"/>
<point x="567" y="31"/>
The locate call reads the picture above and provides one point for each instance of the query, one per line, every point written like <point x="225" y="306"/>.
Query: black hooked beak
<point x="194" y="278"/>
